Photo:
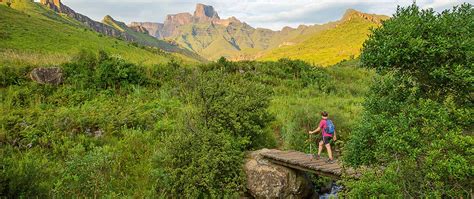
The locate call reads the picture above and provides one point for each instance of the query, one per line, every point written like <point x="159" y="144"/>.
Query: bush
<point x="195" y="162"/>
<point x="417" y="124"/>
<point x="203" y="157"/>
<point x="434" y="49"/>
<point x="231" y="104"/>
<point x="103" y="72"/>
<point x="13" y="75"/>
<point x="27" y="174"/>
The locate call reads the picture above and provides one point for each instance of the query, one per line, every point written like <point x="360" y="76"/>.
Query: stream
<point x="332" y="193"/>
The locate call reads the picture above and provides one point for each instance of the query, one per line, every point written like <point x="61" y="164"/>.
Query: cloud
<point x="273" y="14"/>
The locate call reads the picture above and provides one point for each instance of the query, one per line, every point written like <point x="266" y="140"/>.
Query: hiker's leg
<point x="320" y="147"/>
<point x="328" y="147"/>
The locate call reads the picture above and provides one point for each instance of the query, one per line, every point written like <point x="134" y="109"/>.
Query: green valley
<point x="195" y="106"/>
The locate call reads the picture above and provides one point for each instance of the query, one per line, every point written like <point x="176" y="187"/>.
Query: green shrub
<point x="416" y="126"/>
<point x="13" y="75"/>
<point x="25" y="174"/>
<point x="103" y="72"/>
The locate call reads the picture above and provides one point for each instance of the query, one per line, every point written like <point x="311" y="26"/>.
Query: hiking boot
<point x="330" y="161"/>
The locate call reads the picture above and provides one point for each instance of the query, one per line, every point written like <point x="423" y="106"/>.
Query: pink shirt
<point x="322" y="125"/>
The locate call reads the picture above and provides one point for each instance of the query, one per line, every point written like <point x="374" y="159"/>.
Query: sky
<point x="272" y="14"/>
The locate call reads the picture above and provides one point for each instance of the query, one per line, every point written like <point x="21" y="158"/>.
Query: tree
<point x="416" y="129"/>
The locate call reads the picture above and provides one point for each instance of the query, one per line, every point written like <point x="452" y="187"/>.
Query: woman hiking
<point x="328" y="132"/>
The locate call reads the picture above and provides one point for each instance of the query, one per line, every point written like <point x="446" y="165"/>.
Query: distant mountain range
<point x="205" y="33"/>
<point x="204" y="36"/>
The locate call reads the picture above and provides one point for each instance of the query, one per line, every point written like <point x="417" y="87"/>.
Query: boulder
<point x="51" y="75"/>
<point x="268" y="180"/>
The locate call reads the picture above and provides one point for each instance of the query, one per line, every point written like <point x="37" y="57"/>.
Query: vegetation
<point x="114" y="128"/>
<point x="416" y="129"/>
<point x="32" y="35"/>
<point x="327" y="47"/>
<point x="131" y="121"/>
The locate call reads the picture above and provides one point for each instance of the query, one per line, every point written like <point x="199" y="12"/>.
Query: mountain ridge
<point x="117" y="29"/>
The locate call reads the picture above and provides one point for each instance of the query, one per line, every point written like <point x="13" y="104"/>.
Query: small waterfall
<point x="333" y="193"/>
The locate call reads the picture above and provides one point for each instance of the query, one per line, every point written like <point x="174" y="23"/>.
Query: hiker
<point x="328" y="132"/>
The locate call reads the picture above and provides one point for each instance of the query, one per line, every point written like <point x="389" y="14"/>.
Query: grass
<point x="327" y="47"/>
<point x="37" y="36"/>
<point x="298" y="111"/>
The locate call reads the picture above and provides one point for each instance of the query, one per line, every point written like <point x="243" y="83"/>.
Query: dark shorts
<point x="327" y="139"/>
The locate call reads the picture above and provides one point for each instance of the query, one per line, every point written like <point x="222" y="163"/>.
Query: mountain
<point x="154" y="29"/>
<point x="142" y="36"/>
<point x="330" y="46"/>
<point x="205" y="33"/>
<point x="111" y="27"/>
<point x="35" y="35"/>
<point x="58" y="7"/>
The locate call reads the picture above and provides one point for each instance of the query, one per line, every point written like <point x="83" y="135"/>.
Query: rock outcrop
<point x="351" y="14"/>
<point x="205" y="13"/>
<point x="267" y="180"/>
<point x="170" y="27"/>
<point x="174" y="21"/>
<point x="227" y="22"/>
<point x="154" y="29"/>
<point x="139" y="29"/>
<point x="52" y="75"/>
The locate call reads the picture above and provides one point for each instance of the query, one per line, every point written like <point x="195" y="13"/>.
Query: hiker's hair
<point x="324" y="114"/>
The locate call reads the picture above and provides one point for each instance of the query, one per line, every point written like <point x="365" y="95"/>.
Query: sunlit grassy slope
<point x="327" y="47"/>
<point x="32" y="35"/>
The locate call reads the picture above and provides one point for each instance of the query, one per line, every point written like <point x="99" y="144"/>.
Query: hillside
<point x="330" y="46"/>
<point x="34" y="35"/>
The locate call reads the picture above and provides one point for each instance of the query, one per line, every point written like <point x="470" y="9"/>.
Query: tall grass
<point x="9" y="57"/>
<point x="298" y="111"/>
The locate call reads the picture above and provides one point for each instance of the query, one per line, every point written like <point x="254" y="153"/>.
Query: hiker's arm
<point x="335" y="136"/>
<point x="318" y="129"/>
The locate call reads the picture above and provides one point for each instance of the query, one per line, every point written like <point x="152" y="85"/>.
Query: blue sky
<point x="272" y="14"/>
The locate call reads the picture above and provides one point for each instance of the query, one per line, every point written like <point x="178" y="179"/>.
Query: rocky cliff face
<point x="58" y="7"/>
<point x="205" y="13"/>
<point x="173" y="22"/>
<point x="139" y="29"/>
<point x="154" y="29"/>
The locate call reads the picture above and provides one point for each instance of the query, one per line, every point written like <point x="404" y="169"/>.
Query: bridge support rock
<point x="268" y="180"/>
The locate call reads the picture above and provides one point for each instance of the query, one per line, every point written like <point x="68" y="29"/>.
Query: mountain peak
<point x="52" y="4"/>
<point x="205" y="13"/>
<point x="351" y="14"/>
<point x="108" y="17"/>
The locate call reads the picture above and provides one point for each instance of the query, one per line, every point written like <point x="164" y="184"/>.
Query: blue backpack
<point x="329" y="127"/>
